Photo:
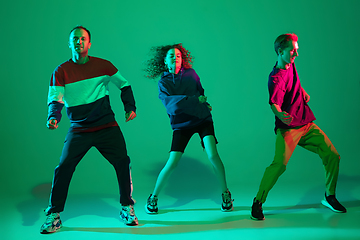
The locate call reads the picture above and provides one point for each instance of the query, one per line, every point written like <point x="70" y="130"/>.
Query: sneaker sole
<point x="326" y="204"/>
<point x="227" y="210"/>
<point x="131" y="224"/>
<point x="148" y="211"/>
<point x="46" y="232"/>
<point x="257" y="219"/>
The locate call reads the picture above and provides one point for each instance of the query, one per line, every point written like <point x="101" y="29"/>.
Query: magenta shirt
<point x="285" y="91"/>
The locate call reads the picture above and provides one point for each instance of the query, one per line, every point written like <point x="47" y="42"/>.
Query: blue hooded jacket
<point x="180" y="95"/>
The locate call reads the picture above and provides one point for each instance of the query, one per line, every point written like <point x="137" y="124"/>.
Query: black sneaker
<point x="52" y="223"/>
<point x="332" y="203"/>
<point x="151" y="205"/>
<point x="256" y="210"/>
<point x="227" y="202"/>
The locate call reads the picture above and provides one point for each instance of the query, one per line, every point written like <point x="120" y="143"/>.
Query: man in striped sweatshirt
<point x="82" y="85"/>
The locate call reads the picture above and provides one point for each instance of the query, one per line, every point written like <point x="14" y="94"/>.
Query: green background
<point x="232" y="42"/>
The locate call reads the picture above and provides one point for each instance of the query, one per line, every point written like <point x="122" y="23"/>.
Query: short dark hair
<point x="283" y="40"/>
<point x="81" y="27"/>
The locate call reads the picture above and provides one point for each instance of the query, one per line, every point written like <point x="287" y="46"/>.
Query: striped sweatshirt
<point x="84" y="90"/>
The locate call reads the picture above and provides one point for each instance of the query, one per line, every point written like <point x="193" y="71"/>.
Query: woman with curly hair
<point x="181" y="93"/>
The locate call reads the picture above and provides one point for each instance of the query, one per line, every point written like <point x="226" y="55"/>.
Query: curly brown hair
<point x="155" y="66"/>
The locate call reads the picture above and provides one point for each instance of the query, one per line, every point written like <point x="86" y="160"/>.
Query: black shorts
<point x="182" y="137"/>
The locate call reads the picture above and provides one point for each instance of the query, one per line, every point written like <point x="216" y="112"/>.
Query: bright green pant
<point x="310" y="137"/>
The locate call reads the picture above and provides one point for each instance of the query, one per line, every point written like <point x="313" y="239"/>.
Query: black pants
<point x="110" y="143"/>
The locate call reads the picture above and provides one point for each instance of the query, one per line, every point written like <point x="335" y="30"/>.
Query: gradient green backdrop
<point x="232" y="42"/>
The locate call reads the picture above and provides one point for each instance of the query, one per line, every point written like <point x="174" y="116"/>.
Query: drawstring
<point x="181" y="73"/>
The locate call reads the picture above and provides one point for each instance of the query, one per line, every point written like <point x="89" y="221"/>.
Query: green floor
<point x="294" y="215"/>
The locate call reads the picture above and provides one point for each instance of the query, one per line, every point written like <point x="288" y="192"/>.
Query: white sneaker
<point x="127" y="214"/>
<point x="52" y="223"/>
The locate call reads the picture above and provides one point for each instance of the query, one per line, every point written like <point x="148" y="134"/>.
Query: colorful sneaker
<point x="256" y="210"/>
<point x="51" y="224"/>
<point x="151" y="205"/>
<point x="127" y="214"/>
<point x="332" y="203"/>
<point x="227" y="202"/>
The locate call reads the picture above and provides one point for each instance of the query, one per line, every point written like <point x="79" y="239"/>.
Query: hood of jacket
<point x="174" y="77"/>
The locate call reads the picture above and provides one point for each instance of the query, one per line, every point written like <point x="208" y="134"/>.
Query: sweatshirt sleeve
<point x="55" y="96"/>
<point x="127" y="96"/>
<point x="198" y="84"/>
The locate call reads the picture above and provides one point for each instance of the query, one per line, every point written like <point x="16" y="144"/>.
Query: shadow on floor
<point x="191" y="180"/>
<point x="77" y="205"/>
<point x="321" y="219"/>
